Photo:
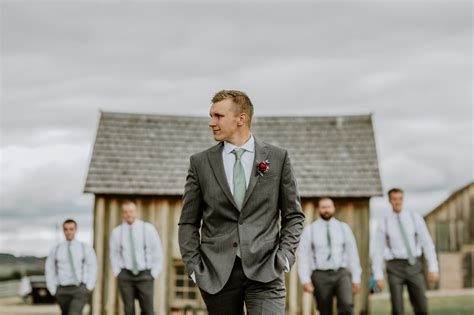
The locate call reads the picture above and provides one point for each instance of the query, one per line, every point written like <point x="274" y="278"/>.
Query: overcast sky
<point x="408" y="63"/>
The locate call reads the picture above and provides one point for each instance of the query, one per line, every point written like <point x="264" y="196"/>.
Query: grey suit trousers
<point x="330" y="283"/>
<point x="72" y="299"/>
<point x="399" y="273"/>
<point x="260" y="298"/>
<point x="136" y="287"/>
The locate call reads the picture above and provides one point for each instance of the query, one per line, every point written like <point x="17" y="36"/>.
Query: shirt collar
<point x="330" y="221"/>
<point x="395" y="214"/>
<point x="248" y="146"/>
<point x="134" y="224"/>
<point x="71" y="242"/>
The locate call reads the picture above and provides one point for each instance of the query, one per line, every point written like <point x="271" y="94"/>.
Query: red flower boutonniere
<point x="263" y="167"/>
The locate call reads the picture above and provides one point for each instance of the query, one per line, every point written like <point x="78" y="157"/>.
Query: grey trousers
<point x="259" y="298"/>
<point x="329" y="283"/>
<point x="72" y="299"/>
<point x="139" y="287"/>
<point x="400" y="273"/>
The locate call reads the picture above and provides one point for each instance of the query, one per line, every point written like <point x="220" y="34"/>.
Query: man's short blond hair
<point x="127" y="202"/>
<point x="240" y="99"/>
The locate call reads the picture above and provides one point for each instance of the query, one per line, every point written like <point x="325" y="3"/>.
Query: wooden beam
<point x="99" y="217"/>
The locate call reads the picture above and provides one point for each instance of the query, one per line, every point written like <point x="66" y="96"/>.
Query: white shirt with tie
<point x="314" y="252"/>
<point x="147" y="244"/>
<point x="247" y="160"/>
<point x="58" y="269"/>
<point x="389" y="242"/>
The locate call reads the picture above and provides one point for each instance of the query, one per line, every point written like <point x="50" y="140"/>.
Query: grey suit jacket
<point x="211" y="226"/>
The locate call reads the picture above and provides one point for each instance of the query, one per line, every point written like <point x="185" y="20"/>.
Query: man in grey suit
<point x="235" y="194"/>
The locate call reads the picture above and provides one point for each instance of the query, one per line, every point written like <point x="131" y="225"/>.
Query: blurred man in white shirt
<point x="71" y="271"/>
<point x="401" y="238"/>
<point x="137" y="259"/>
<point x="328" y="263"/>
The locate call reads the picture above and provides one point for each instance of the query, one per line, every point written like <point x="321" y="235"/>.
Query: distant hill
<point x="13" y="267"/>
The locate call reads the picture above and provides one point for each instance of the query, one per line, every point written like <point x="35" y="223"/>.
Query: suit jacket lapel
<point x="261" y="154"/>
<point x="217" y="165"/>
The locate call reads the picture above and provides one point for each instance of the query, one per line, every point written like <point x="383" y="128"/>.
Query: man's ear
<point x="243" y="118"/>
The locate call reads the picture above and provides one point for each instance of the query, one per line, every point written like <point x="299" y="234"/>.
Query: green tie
<point x="328" y="236"/>
<point x="239" y="178"/>
<point x="71" y="263"/>
<point x="134" y="254"/>
<point x="240" y="186"/>
<point x="411" y="258"/>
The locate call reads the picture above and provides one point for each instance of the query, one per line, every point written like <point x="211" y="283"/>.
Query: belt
<point x="71" y="285"/>
<point x="403" y="259"/>
<point x="330" y="270"/>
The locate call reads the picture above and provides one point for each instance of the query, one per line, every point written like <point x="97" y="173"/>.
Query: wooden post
<point x="110" y="292"/>
<point x="162" y="215"/>
<point x="99" y="217"/>
<point x="308" y="299"/>
<point x="356" y="213"/>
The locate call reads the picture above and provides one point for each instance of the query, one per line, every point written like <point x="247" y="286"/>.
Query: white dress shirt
<point x="58" y="270"/>
<point x="389" y="242"/>
<point x="147" y="244"/>
<point x="247" y="160"/>
<point x="314" y="249"/>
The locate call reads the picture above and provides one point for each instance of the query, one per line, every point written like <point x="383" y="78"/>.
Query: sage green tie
<point x="133" y="252"/>
<point x="240" y="186"/>
<point x="411" y="258"/>
<point x="328" y="236"/>
<point x="71" y="263"/>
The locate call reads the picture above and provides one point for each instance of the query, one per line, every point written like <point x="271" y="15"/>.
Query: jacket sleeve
<point x="292" y="217"/>
<point x="190" y="220"/>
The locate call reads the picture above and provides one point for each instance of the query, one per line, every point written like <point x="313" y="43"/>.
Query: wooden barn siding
<point x="452" y="232"/>
<point x="163" y="213"/>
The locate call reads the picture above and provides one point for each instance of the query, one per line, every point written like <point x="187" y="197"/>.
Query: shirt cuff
<point x="193" y="277"/>
<point x="305" y="279"/>
<point x="433" y="268"/>
<point x="378" y="275"/>
<point x="116" y="272"/>
<point x="287" y="265"/>
<point x="355" y="278"/>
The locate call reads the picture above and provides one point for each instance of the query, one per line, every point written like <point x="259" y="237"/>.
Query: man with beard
<point x="328" y="263"/>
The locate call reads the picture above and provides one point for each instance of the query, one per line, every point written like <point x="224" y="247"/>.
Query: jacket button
<point x="235" y="244"/>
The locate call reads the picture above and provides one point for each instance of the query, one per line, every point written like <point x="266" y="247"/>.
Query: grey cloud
<point x="409" y="63"/>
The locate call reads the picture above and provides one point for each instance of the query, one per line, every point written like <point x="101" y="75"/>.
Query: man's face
<point x="69" y="231"/>
<point x="326" y="209"/>
<point x="224" y="122"/>
<point x="129" y="213"/>
<point x="396" y="200"/>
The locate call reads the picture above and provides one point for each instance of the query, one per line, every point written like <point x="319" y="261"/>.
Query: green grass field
<point x="446" y="305"/>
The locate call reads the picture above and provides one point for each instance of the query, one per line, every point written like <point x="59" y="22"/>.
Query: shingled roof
<point x="144" y="154"/>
